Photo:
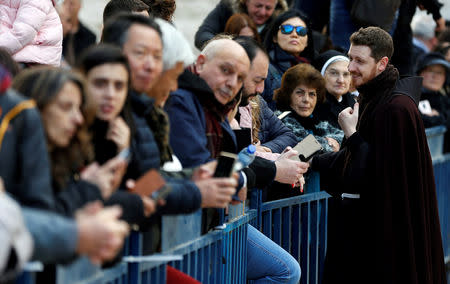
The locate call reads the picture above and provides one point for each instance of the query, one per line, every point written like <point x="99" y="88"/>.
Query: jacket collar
<point x="140" y="103"/>
<point x="196" y="85"/>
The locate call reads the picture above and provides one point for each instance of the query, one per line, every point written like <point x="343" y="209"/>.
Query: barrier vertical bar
<point x="295" y="236"/>
<point x="286" y="228"/>
<point x="276" y="225"/>
<point x="135" y="248"/>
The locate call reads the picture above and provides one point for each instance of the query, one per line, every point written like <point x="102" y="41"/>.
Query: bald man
<point x="200" y="131"/>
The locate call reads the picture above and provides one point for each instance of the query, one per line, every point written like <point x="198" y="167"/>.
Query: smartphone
<point x="307" y="148"/>
<point x="225" y="164"/>
<point x="425" y="107"/>
<point x="148" y="183"/>
<point x="125" y="154"/>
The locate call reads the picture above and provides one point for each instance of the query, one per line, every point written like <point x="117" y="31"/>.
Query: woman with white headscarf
<point x="333" y="67"/>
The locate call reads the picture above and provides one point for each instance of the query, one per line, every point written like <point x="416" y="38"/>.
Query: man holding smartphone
<point x="384" y="209"/>
<point x="200" y="131"/>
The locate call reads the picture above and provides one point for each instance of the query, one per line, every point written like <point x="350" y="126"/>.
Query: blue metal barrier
<point x="83" y="271"/>
<point x="299" y="225"/>
<point x="442" y="177"/>
<point x="435" y="138"/>
<point x="218" y="257"/>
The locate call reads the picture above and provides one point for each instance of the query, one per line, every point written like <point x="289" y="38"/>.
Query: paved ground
<point x="188" y="15"/>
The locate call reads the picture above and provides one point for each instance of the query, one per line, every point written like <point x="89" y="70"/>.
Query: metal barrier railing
<point x="298" y="224"/>
<point x="442" y="177"/>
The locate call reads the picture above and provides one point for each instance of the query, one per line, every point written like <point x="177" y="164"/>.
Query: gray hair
<point x="176" y="47"/>
<point x="423" y="26"/>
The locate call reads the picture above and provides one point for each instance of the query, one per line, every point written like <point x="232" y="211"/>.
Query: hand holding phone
<point x="148" y="183"/>
<point x="307" y="148"/>
<point x="225" y="164"/>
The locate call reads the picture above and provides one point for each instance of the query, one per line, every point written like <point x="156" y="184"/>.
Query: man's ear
<point x="201" y="59"/>
<point x="382" y="64"/>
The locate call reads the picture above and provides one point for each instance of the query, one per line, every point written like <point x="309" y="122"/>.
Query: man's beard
<point x="246" y="99"/>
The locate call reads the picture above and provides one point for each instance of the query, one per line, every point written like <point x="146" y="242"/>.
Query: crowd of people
<point x="84" y="125"/>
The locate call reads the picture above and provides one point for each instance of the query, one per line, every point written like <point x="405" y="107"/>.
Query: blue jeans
<point x="267" y="262"/>
<point x="342" y="26"/>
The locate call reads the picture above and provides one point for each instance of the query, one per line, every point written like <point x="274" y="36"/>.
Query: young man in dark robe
<point x="384" y="224"/>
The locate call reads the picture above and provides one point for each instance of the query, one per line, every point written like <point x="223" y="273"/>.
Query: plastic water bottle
<point x="245" y="157"/>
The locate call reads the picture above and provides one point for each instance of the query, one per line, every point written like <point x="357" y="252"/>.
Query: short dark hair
<point x="8" y="62"/>
<point x="114" y="7"/>
<point x="444" y="36"/>
<point x="250" y="45"/>
<point x="300" y="74"/>
<point x="239" y="21"/>
<point x="101" y="54"/>
<point x="377" y="39"/>
<point x="116" y="28"/>
<point x="272" y="32"/>
<point x="163" y="9"/>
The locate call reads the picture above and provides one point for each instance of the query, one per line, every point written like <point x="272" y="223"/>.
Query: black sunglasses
<point x="287" y="29"/>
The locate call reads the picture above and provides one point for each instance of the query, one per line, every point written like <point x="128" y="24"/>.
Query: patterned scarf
<point x="159" y="123"/>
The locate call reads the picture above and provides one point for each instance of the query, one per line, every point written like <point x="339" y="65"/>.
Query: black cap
<point x="323" y="58"/>
<point x="432" y="58"/>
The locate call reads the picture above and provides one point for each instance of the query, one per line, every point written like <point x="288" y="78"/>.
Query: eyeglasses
<point x="287" y="29"/>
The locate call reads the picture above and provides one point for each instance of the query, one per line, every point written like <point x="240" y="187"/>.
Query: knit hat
<point x="327" y="58"/>
<point x="432" y="58"/>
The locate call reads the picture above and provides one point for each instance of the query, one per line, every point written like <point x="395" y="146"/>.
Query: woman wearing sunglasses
<point x="288" y="42"/>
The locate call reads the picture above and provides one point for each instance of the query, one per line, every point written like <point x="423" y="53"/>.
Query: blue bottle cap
<point x="251" y="149"/>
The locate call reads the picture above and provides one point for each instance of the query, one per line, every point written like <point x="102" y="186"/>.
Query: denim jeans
<point x="342" y="26"/>
<point x="267" y="262"/>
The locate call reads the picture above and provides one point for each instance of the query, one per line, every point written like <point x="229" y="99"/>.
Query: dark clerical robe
<point x="391" y="233"/>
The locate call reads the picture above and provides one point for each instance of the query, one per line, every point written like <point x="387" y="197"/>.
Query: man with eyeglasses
<point x="333" y="66"/>
<point x="385" y="226"/>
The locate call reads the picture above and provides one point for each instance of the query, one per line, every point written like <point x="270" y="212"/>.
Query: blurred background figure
<point x="434" y="104"/>
<point x="241" y="25"/>
<point x="262" y="13"/>
<point x="163" y="9"/>
<point x="424" y="38"/>
<point x="80" y="37"/>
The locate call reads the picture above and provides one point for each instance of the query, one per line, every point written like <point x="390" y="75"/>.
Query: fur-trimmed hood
<point x="238" y="6"/>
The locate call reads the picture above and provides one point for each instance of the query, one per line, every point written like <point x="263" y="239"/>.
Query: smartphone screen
<point x="125" y="154"/>
<point x="225" y="164"/>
